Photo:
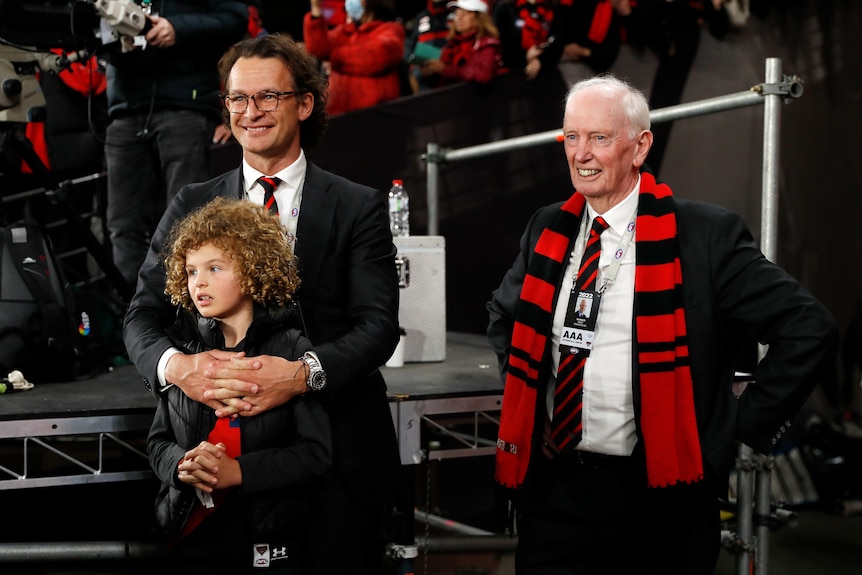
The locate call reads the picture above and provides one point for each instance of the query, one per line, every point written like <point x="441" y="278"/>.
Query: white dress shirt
<point x="608" y="403"/>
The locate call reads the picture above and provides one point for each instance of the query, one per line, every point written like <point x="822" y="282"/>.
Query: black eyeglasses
<point x="265" y="101"/>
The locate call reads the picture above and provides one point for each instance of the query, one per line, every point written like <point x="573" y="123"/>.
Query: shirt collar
<point x="291" y="175"/>
<point x="619" y="216"/>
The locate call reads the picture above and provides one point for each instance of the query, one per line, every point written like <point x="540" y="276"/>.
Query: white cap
<point x="471" y="5"/>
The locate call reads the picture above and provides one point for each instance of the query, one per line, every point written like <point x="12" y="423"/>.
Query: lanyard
<point x="610" y="275"/>
<point x="293" y="216"/>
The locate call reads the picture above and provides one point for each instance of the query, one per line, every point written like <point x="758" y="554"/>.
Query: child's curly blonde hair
<point x="255" y="240"/>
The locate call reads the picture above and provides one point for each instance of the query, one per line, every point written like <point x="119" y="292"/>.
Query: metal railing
<point x="754" y="477"/>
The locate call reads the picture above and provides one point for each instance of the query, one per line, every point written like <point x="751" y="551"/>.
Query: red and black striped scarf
<point x="667" y="418"/>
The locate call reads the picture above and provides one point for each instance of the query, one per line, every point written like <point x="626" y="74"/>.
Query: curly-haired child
<point x="235" y="491"/>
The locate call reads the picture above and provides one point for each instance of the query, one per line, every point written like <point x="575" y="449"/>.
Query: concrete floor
<point x="821" y="543"/>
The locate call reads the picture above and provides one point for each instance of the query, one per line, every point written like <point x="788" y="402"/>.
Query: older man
<point x="617" y="434"/>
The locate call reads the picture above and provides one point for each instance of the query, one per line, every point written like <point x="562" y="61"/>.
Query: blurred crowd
<point x="372" y="51"/>
<point x="424" y="44"/>
<point x="397" y="50"/>
<point x="448" y="41"/>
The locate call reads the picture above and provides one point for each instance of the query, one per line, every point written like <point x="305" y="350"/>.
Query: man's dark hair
<point x="302" y="66"/>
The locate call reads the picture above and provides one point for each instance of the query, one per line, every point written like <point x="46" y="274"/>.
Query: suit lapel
<point x="232" y="186"/>
<point x="227" y="186"/>
<point x="315" y="224"/>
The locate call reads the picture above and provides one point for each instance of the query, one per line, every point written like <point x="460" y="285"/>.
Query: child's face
<point x="213" y="285"/>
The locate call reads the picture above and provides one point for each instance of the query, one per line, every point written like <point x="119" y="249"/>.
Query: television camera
<point x="31" y="32"/>
<point x="30" y="29"/>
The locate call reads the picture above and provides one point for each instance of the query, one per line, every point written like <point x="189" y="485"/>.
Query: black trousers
<point x="595" y="515"/>
<point x="347" y="535"/>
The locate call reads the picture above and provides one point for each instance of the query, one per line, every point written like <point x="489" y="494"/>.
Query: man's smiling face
<point x="603" y="154"/>
<point x="270" y="140"/>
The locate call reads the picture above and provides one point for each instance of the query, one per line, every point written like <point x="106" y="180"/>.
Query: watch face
<point x="316" y="375"/>
<point x="317" y="381"/>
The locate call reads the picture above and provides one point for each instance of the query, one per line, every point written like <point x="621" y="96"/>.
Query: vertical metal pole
<point x="771" y="133"/>
<point x="762" y="511"/>
<point x="744" y="499"/>
<point x="768" y="241"/>
<point x="433" y="181"/>
<point x="768" y="234"/>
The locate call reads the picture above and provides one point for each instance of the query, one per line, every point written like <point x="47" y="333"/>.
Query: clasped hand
<point x="207" y="467"/>
<point x="231" y="383"/>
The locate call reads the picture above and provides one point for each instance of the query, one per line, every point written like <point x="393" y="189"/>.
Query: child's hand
<point x="200" y="466"/>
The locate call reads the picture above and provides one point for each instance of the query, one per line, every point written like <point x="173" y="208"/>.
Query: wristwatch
<point x="316" y="375"/>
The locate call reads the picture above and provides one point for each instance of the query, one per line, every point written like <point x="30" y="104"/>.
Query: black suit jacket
<point x="349" y="303"/>
<point x="733" y="295"/>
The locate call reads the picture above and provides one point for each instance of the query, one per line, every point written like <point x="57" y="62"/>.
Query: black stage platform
<point x="113" y="411"/>
<point x="76" y="452"/>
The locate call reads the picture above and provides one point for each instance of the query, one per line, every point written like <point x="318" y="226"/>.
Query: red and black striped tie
<point x="567" y="427"/>
<point x="269" y="185"/>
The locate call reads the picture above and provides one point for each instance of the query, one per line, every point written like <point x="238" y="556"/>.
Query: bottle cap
<point x="397" y="182"/>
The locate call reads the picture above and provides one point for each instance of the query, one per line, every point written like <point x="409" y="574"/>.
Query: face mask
<point x="354" y="9"/>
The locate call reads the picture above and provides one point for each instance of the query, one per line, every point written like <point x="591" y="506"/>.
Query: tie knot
<point x="269" y="184"/>
<point x="599" y="225"/>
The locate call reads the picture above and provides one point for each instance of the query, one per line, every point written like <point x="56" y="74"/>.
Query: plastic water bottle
<point x="399" y="209"/>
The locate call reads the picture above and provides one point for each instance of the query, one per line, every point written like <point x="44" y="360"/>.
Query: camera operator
<point x="163" y="106"/>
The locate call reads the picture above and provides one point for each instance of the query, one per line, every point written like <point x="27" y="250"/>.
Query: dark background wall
<point x="719" y="158"/>
<point x="484" y="202"/>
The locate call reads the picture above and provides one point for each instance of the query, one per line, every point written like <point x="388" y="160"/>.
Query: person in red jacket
<point x="364" y="54"/>
<point x="473" y="50"/>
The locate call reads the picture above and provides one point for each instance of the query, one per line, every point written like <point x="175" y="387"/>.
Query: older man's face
<point x="603" y="157"/>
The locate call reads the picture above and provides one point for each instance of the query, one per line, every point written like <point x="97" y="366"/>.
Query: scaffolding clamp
<point x="791" y="86"/>
<point x="438" y="157"/>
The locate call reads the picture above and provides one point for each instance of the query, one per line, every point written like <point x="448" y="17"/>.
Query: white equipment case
<point x="421" y="263"/>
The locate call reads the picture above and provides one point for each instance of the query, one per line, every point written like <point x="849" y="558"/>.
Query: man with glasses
<point x="275" y="104"/>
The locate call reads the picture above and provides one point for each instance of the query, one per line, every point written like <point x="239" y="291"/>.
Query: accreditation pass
<point x="579" y="327"/>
